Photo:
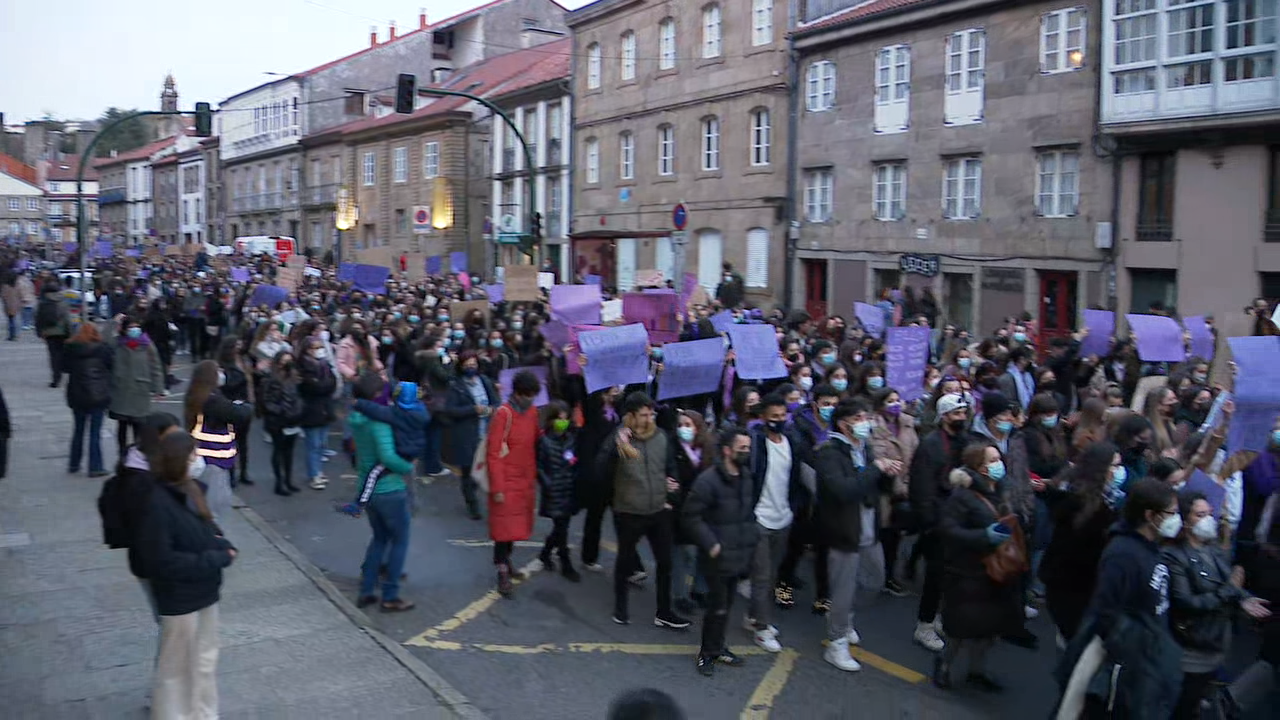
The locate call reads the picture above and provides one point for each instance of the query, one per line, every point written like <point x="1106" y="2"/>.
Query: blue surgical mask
<point x="459" y="334"/>
<point x="441" y="352"/>
<point x="685" y="434"/>
<point x="1020" y="337"/>
<point x="995" y="470"/>
<point x="134" y="332"/>
<point x="840" y="384"/>
<point x="442" y="318"/>
<point x="517" y="325"/>
<point x="875" y="382"/>
<point x="964" y="363"/>
<point x="1049" y="422"/>
<point x="1119" y="474"/>
<point x="397" y="315"/>
<point x="496" y="342"/>
<point x="826" y="412"/>
<point x="827" y="358"/>
<point x="656" y="353"/>
<point x="862" y="430"/>
<point x="1004" y="426"/>
<point x="415" y="319"/>
<point x="387" y="340"/>
<point x="1275" y="437"/>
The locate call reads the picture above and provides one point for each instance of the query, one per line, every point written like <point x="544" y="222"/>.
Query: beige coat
<point x="900" y="447"/>
<point x="12" y="299"/>
<point x="26" y="291"/>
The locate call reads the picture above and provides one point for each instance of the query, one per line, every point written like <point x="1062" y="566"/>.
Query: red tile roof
<point x="141" y="153"/>
<point x="65" y="169"/>
<point x="857" y="12"/>
<point x="14" y="167"/>
<point x="500" y="74"/>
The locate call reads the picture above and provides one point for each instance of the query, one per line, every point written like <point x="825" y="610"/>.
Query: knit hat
<point x="994" y="403"/>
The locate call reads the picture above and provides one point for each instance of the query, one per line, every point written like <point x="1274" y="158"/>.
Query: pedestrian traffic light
<point x="406" y="93"/>
<point x="204" y="120"/>
<point x="536" y="226"/>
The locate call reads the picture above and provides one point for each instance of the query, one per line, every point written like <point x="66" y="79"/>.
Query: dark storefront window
<point x="1272" y="232"/>
<point x="1155" y="199"/>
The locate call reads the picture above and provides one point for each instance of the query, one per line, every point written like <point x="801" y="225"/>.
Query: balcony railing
<point x="110" y="197"/>
<point x="321" y="195"/>
<point x="1271" y="230"/>
<point x="553" y="152"/>
<point x="1155" y="232"/>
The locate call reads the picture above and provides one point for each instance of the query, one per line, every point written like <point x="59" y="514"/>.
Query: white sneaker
<point x="749" y="624"/>
<point x="852" y="636"/>
<point x="744" y="589"/>
<point x="266" y="438"/>
<point x="837" y="654"/>
<point x="319" y="482"/>
<point x="328" y="453"/>
<point x="593" y="567"/>
<point x="926" y="636"/>
<point x="638" y="577"/>
<point x="767" y="639"/>
<point x="1031" y="612"/>
<point x="937" y="627"/>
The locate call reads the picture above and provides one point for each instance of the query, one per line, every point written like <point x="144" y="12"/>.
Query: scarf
<point x="695" y="455"/>
<point x="628" y="450"/>
<point x="520" y="404"/>
<point x="610" y="413"/>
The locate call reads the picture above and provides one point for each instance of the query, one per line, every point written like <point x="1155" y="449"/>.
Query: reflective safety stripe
<point x="206" y="452"/>
<point x="200" y="432"/>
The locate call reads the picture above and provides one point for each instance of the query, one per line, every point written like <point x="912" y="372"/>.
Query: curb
<point x="449" y="697"/>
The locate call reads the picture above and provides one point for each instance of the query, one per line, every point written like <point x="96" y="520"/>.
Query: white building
<point x="137" y="192"/>
<point x="191" y="196"/>
<point x="21" y="208"/>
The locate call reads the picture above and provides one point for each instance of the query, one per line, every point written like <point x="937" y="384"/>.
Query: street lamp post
<point x="346" y="215"/>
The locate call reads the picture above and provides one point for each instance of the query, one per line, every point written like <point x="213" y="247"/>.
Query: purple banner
<point x="615" y="356"/>
<point x="756" y="353"/>
<point x="1159" y="338"/>
<point x="457" y="262"/>
<point x="268" y="295"/>
<point x="506" y="377"/>
<point x="1102" y="326"/>
<point x="371" y="279"/>
<point x="133" y="252"/>
<point x="557" y="336"/>
<point x="906" y="356"/>
<point x="871" y="317"/>
<point x="722" y="321"/>
<point x="495" y="292"/>
<point x="1257" y="392"/>
<point x="687" y="289"/>
<point x="239" y="274"/>
<point x="576" y="304"/>
<point x="1201" y="337"/>
<point x="68" y="247"/>
<point x="656" y="311"/>
<point x="346" y="272"/>
<point x="103" y="249"/>
<point x="435" y="265"/>
<point x="691" y="368"/>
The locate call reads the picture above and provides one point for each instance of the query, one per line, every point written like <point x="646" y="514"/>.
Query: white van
<point x="277" y="246"/>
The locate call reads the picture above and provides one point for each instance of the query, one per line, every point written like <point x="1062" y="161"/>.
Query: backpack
<point x="46" y="314"/>
<point x="120" y="504"/>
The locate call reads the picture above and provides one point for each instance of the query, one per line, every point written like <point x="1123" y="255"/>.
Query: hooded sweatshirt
<point x="408" y="419"/>
<point x="1132" y="579"/>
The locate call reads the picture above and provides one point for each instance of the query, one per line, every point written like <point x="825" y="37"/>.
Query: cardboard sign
<point x="172" y="251"/>
<point x="521" y="283"/>
<point x="288" y="278"/>
<point x="296" y="261"/>
<point x="151" y="251"/>
<point x="458" y="311"/>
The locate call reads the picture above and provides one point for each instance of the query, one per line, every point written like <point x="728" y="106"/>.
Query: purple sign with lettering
<point x="371" y="279"/>
<point x="495" y="293"/>
<point x="871" y="317"/>
<point x="691" y="368"/>
<point x="576" y="304"/>
<point x="906" y="356"/>
<point x="1257" y="392"/>
<point x="435" y="265"/>
<point x="756" y="352"/>
<point x="615" y="356"/>
<point x="458" y="262"/>
<point x="657" y="312"/>
<point x="268" y="295"/>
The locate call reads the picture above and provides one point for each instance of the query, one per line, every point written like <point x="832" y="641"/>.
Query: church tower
<point x="169" y="96"/>
<point x="166" y="126"/>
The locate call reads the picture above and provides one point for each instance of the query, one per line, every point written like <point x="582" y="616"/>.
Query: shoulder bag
<point x="480" y="463"/>
<point x="1008" y="561"/>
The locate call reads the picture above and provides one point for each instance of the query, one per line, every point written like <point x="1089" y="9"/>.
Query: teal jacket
<point x="375" y="445"/>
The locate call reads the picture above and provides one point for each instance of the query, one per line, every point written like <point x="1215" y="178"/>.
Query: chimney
<point x="391" y="31"/>
<point x="422" y="18"/>
<point x="373" y="36"/>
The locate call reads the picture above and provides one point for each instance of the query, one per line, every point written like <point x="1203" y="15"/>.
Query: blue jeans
<point x="684" y="567"/>
<point x="13" y="327"/>
<point x="431" y="453"/>
<point x="316" y="437"/>
<point x="389" y="519"/>
<point x="95" y="440"/>
<point x="28" y="317"/>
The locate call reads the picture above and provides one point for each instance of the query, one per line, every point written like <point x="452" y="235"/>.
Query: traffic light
<point x="406" y="93"/>
<point x="204" y="119"/>
<point x="535" y="227"/>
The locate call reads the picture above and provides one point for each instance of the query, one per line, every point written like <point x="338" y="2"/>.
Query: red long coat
<point x="515" y="476"/>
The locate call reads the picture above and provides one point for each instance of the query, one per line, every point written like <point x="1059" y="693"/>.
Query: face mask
<point x="893" y="409"/>
<point x="324" y="335"/>
<point x="840" y="384"/>
<point x="742" y="459"/>
<point x="1206" y="528"/>
<point x="1275" y="437"/>
<point x="777" y="426"/>
<point x="1049" y="422"/>
<point x="955" y="426"/>
<point x="875" y="382"/>
<point x="496" y="342"/>
<point x="222" y="378"/>
<point x="656" y="353"/>
<point x="134" y="332"/>
<point x="442" y="318"/>
<point x="517" y="326"/>
<point x="826" y="412"/>
<point x="415" y="319"/>
<point x="195" y="467"/>
<point x="806" y="383"/>
<point x="1170" y="526"/>
<point x="441" y="352"/>
<point x="857" y="359"/>
<point x="1020" y="337"/>
<point x="995" y="470"/>
<point x="827" y="359"/>
<point x="792" y="407"/>
<point x="964" y="363"/>
<point x="320" y="354"/>
<point x="470" y="372"/>
<point x="1199" y="377"/>
<point x="397" y="315"/>
<point x="862" y="430"/>
<point x="459" y="334"/>
<point x="1004" y="426"/>
<point x="932" y="383"/>
<point x="388" y="340"/>
<point x="559" y="426"/>
<point x="685" y="434"/>
<point x="1119" y="474"/>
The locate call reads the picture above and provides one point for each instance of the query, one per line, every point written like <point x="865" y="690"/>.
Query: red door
<point x="815" y="289"/>
<point x="1057" y="315"/>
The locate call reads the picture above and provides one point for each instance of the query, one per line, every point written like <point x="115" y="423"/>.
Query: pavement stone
<point x="78" y="639"/>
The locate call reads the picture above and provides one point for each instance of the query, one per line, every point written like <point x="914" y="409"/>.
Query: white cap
<point x="950" y="403"/>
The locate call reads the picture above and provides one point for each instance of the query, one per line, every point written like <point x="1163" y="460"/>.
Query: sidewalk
<point x="77" y="639"/>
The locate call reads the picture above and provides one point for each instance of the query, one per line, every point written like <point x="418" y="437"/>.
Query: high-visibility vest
<point x="215" y="443"/>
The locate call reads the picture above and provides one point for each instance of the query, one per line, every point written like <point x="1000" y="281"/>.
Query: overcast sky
<point x="75" y="58"/>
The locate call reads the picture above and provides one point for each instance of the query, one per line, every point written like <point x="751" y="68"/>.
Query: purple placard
<point x="1201" y="337"/>
<point x="756" y="352"/>
<point x="103" y="249"/>
<point x="239" y="274"/>
<point x="1199" y="482"/>
<point x="346" y="272"/>
<point x="722" y="321"/>
<point x="906" y="356"/>
<point x="68" y="247"/>
<point x="687" y="288"/>
<point x="656" y="311"/>
<point x="435" y="265"/>
<point x="871" y="317"/>
<point x="1256" y="393"/>
<point x="616" y="356"/>
<point x="495" y="293"/>
<point x="371" y="279"/>
<point x="691" y="368"/>
<point x="557" y="336"/>
<point x="133" y="252"/>
<point x="1159" y="338"/>
<point x="1102" y="326"/>
<point x="505" y="378"/>
<point x="269" y="295"/>
<point x="22" y="265"/>
<point x="458" y="262"/>
<point x="658" y="291"/>
<point x="576" y="304"/>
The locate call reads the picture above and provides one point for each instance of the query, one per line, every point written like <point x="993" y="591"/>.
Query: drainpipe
<point x="568" y="263"/>
<point x="792" y="231"/>
<point x="1111" y="281"/>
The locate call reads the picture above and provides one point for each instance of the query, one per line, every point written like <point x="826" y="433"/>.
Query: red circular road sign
<point x="680" y="216"/>
<point x="420" y="217"/>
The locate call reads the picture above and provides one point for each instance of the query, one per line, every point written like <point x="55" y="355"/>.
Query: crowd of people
<point x="1018" y="473"/>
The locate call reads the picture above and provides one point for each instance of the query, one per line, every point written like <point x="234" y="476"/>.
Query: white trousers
<point x="186" y="685"/>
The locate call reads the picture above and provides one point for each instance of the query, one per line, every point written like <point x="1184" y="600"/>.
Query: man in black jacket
<point x="719" y="514"/>
<point x="938" y="453"/>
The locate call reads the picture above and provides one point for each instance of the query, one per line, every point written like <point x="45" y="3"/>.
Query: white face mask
<point x="806" y="383"/>
<point x="1170" y="526"/>
<point x="222" y="378"/>
<point x="1206" y="528"/>
<point x="195" y="467"/>
<point x="324" y="335"/>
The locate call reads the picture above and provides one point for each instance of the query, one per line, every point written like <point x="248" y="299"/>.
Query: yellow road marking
<point x="588" y="648"/>
<point x="771" y="685"/>
<point x="470" y="612"/>
<point x="887" y="666"/>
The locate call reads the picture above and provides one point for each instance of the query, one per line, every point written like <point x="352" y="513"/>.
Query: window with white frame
<point x="369" y="169"/>
<point x="593" y="66"/>
<point x="593" y="161"/>
<point x="818" y="185"/>
<point x="15" y="203"/>
<point x="1134" y="27"/>
<point x="820" y="86"/>
<point x="15" y="228"/>
<point x="627" y="155"/>
<point x="33" y="203"/>
<point x="629" y="55"/>
<point x="761" y="136"/>
<point x="966" y="60"/>
<point x="1057" y="183"/>
<point x="400" y="165"/>
<point x="757" y="258"/>
<point x="893" y="89"/>
<point x="711" y="31"/>
<point x="666" y="150"/>
<point x="430" y="160"/>
<point x="667" y="44"/>
<point x="1062" y="40"/>
<point x="1189" y="44"/>
<point x="761" y="22"/>
<point x="890" y="191"/>
<point x="33" y="227"/>
<point x="962" y="188"/>
<point x="711" y="143"/>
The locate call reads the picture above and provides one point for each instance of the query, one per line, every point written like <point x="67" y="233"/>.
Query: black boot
<point x="566" y="567"/>
<point x="545" y="557"/>
<point x="280" y="488"/>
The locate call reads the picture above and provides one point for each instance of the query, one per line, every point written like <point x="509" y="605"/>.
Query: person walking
<point x="471" y="401"/>
<point x="213" y="419"/>
<point x="182" y="553"/>
<point x="317" y="386"/>
<point x="719" y="517"/>
<point x="595" y="491"/>
<point x="281" y="413"/>
<point x="11" y="299"/>
<point x="53" y="324"/>
<point x="510" y="452"/>
<point x="88" y="363"/>
<point x="136" y="377"/>
<point x="557" y="459"/>
<point x="27" y="295"/>
<point x="238" y="386"/>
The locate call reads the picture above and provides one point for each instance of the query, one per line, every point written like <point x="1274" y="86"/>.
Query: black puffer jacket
<point x="181" y="553"/>
<point x="556" y="473"/>
<point x="88" y="367"/>
<point x="845" y="490"/>
<point x="281" y="404"/>
<point x="316" y="389"/>
<point x="721" y="509"/>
